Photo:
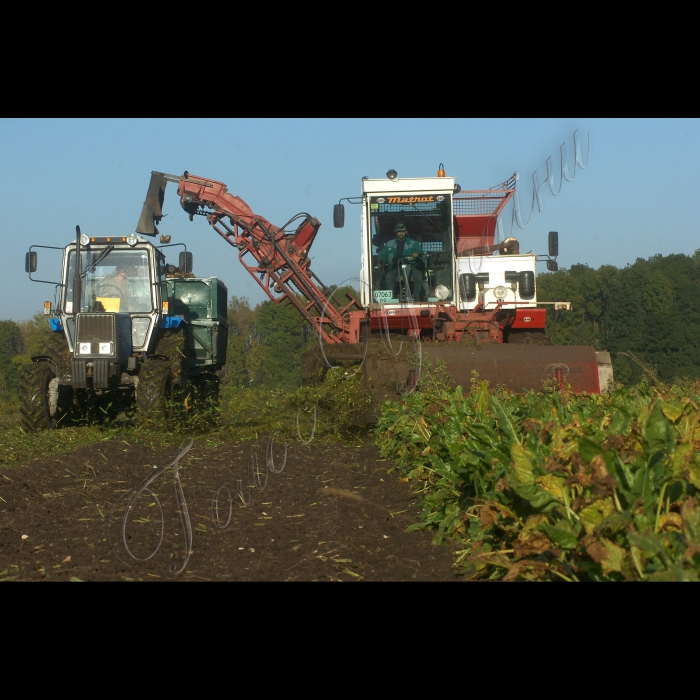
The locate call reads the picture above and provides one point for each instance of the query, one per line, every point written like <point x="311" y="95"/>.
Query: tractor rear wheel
<point x="153" y="392"/>
<point x="174" y="345"/>
<point x="33" y="391"/>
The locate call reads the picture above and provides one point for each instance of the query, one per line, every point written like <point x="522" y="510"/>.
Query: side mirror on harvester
<point x="30" y="262"/>
<point x="553" y="244"/>
<point x="552" y="265"/>
<point x="185" y="262"/>
<point x="338" y="215"/>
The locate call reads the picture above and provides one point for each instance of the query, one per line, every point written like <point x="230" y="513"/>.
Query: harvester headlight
<point x="392" y="175"/>
<point x="105" y="348"/>
<point x="500" y="292"/>
<point x="85" y="348"/>
<point x="84" y="240"/>
<point x="131" y="240"/>
<point x="442" y="292"/>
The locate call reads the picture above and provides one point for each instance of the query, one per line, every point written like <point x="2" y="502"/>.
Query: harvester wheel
<point x="33" y="391"/>
<point x="153" y="392"/>
<point x="519" y="337"/>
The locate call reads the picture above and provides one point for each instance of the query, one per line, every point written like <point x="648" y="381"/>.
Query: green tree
<point x="10" y="347"/>
<point x="283" y="336"/>
<point x="650" y="309"/>
<point x="243" y="352"/>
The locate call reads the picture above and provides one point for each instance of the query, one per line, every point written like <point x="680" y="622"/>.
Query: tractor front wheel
<point x="33" y="391"/>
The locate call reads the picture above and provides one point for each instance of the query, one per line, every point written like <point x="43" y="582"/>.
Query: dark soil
<point x="332" y="514"/>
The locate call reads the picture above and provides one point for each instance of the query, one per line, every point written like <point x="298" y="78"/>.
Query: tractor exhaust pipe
<point x="77" y="279"/>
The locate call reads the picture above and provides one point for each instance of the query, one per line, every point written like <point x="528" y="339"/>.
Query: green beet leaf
<point x="562" y="538"/>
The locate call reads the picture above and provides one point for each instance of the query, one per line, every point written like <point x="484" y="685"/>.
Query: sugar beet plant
<point x="552" y="486"/>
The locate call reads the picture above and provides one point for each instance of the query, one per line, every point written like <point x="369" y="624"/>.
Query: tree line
<point x="647" y="315"/>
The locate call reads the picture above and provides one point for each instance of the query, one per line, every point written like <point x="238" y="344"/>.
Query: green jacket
<point x="388" y="253"/>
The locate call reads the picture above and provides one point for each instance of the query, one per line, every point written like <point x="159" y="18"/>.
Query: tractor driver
<point x="115" y="284"/>
<point x="405" y="249"/>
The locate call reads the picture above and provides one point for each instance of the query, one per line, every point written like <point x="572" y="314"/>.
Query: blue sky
<point x="633" y="200"/>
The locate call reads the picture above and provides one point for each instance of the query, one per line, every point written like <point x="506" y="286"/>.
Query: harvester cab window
<point x="428" y="221"/>
<point x="115" y="281"/>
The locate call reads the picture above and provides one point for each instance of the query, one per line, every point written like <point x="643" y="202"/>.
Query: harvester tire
<point x="153" y="392"/>
<point x="528" y="338"/>
<point x="33" y="391"/>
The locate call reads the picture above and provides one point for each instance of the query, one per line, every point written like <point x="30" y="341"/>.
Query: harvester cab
<point x="458" y="287"/>
<point x="125" y="325"/>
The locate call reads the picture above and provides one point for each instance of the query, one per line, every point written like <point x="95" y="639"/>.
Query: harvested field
<point x="332" y="514"/>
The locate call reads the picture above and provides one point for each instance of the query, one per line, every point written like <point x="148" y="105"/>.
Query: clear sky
<point x="634" y="199"/>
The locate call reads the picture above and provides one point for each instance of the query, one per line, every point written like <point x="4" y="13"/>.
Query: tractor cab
<point x="128" y="326"/>
<point x="116" y="277"/>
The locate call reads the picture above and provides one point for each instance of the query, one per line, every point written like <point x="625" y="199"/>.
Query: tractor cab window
<point x="114" y="280"/>
<point x="428" y="222"/>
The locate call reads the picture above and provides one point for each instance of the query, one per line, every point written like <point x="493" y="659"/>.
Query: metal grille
<point x="95" y="328"/>
<point x="479" y="202"/>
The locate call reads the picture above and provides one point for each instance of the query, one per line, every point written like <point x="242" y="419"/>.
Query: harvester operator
<point x="405" y="249"/>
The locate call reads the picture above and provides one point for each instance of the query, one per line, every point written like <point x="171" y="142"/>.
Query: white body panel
<point x="496" y="266"/>
<point x="409" y="184"/>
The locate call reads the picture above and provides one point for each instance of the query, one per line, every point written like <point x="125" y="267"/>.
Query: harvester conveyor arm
<point x="282" y="263"/>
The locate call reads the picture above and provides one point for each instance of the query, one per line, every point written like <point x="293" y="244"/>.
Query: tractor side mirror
<point x="552" y="265"/>
<point x="185" y="262"/>
<point x="339" y="215"/>
<point x="30" y="262"/>
<point x="553" y="244"/>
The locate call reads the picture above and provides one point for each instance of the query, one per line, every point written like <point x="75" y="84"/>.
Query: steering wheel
<point x="112" y="286"/>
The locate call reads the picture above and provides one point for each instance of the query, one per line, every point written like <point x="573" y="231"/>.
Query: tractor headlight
<point x="442" y="292"/>
<point x="131" y="240"/>
<point x="84" y="240"/>
<point x="85" y="348"/>
<point x="500" y="292"/>
<point x="105" y="348"/>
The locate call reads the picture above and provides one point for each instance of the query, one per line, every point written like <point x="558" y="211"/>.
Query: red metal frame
<point x="478" y="230"/>
<point x="281" y="259"/>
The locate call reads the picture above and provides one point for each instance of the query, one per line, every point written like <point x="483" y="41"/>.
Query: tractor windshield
<point x="114" y="280"/>
<point x="428" y="222"/>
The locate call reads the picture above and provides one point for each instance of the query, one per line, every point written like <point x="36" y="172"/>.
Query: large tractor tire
<point x="153" y="393"/>
<point x="56" y="348"/>
<point x="174" y="346"/>
<point x="33" y="391"/>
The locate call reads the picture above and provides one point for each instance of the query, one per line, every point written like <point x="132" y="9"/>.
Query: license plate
<point x="382" y="296"/>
